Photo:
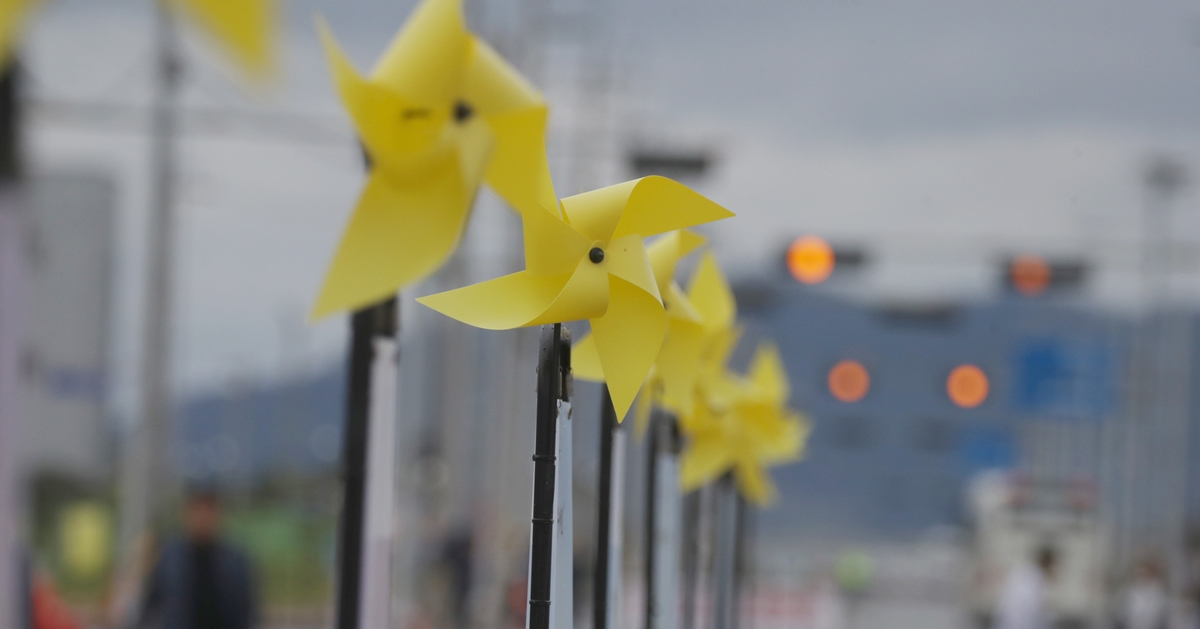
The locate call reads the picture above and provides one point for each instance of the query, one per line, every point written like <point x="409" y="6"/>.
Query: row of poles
<point x="673" y="522"/>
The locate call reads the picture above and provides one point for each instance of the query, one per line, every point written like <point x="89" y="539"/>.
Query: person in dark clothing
<point x="201" y="581"/>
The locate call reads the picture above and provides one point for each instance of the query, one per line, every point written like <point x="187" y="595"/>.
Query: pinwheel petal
<point x="585" y="361"/>
<point x="710" y="294"/>
<point x="678" y="364"/>
<point x="519" y="172"/>
<point x="13" y="14"/>
<point x="381" y="116"/>
<point x="768" y="374"/>
<point x="628" y="337"/>
<point x="492" y="86"/>
<point x="395" y="237"/>
<point x="703" y="461"/>
<point x="245" y="28"/>
<point x="679" y="306"/>
<point x="427" y="59"/>
<point x="754" y="483"/>
<point x="626" y="259"/>
<point x="475" y="145"/>
<point x="666" y="252"/>
<point x="657" y="205"/>
<point x="507" y="302"/>
<point x="524" y="299"/>
<point x="551" y="246"/>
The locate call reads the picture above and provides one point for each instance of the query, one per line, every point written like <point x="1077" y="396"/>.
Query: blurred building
<point x="70" y="269"/>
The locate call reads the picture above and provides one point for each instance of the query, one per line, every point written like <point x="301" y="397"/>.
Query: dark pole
<point x="691" y="558"/>
<point x="740" y="558"/>
<point x="554" y="364"/>
<point x="608" y="426"/>
<point x="652" y="444"/>
<point x="381" y="320"/>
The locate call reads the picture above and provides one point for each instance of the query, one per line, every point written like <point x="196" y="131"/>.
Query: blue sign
<point x="1063" y="378"/>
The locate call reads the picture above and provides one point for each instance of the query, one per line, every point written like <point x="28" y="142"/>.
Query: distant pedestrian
<point x="201" y="581"/>
<point x="1022" y="603"/>
<point x="1146" y="604"/>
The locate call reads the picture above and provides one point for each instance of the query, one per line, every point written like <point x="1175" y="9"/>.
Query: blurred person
<point x="42" y="607"/>
<point x="1022" y="602"/>
<point x="201" y="581"/>
<point x="1145" y="604"/>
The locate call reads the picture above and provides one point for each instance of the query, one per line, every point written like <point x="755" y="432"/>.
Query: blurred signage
<point x="1064" y="378"/>
<point x="987" y="448"/>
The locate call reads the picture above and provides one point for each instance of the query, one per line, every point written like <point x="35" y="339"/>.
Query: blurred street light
<point x="967" y="386"/>
<point x="810" y="259"/>
<point x="849" y="381"/>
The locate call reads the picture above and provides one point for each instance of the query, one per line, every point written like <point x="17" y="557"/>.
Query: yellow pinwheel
<point x="588" y="261"/>
<point x="440" y="113"/>
<point x="683" y="323"/>
<point x="245" y="28"/>
<point x="746" y="432"/>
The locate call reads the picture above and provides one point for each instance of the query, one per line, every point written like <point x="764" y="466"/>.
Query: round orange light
<point x="849" y="381"/>
<point x="810" y="259"/>
<point x="1030" y="275"/>
<point x="967" y="386"/>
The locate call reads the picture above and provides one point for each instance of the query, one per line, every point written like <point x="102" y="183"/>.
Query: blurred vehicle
<point x="1012" y="518"/>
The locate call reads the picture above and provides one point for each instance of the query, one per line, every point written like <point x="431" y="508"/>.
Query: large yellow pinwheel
<point x="744" y="433"/>
<point x="440" y="113"/>
<point x="683" y="322"/>
<point x="245" y="28"/>
<point x="588" y="261"/>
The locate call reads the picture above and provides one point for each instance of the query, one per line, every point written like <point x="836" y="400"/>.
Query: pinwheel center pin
<point x="462" y="112"/>
<point x="596" y="255"/>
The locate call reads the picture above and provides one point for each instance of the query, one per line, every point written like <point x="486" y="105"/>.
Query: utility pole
<point x="148" y="477"/>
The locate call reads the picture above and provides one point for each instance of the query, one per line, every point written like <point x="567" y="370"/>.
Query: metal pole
<point x="148" y="480"/>
<point x="690" y="565"/>
<point x="652" y="440"/>
<point x="554" y="366"/>
<point x="368" y="327"/>
<point x="12" y="339"/>
<point x="605" y="567"/>
<point x="724" y="495"/>
<point x="665" y="547"/>
<point x="741" y="549"/>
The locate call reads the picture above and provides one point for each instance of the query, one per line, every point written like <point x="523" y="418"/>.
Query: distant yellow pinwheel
<point x="588" y="261"/>
<point x="440" y="113"/>
<point x="245" y="28"/>
<point x="746" y="432"/>
<point x="683" y="322"/>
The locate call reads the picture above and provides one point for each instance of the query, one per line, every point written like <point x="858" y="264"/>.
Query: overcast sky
<point x="940" y="134"/>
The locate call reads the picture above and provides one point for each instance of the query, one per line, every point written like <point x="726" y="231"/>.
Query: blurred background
<point x="973" y="229"/>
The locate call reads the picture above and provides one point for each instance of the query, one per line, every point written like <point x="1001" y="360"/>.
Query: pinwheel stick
<point x="368" y="327"/>
<point x="690" y="562"/>
<point x="663" y="521"/>
<point x="554" y="387"/>
<point x="608" y="517"/>
<point x="725" y="554"/>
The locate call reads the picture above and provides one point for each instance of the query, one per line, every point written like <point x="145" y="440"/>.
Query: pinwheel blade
<point x="13" y="14"/>
<point x="244" y="28"/>
<point x="524" y="299"/>
<point x="678" y="364"/>
<point x="754" y="483"/>
<point x="657" y="205"/>
<point x="768" y="374"/>
<point x="519" y="173"/>
<point x="628" y="337"/>
<point x="704" y="460"/>
<point x="585" y="360"/>
<point x="666" y="252"/>
<point x="396" y="236"/>
<point x="710" y="294"/>
<point x="378" y="112"/>
<point x="426" y="60"/>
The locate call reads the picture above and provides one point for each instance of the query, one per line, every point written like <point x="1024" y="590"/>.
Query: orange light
<point x="967" y="386"/>
<point x="849" y="381"/>
<point x="810" y="259"/>
<point x="1030" y="275"/>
